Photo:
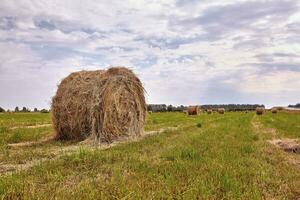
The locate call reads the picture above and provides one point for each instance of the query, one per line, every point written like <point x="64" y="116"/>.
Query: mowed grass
<point x="20" y="127"/>
<point x="17" y="127"/>
<point x="207" y="157"/>
<point x="23" y="119"/>
<point x="287" y="124"/>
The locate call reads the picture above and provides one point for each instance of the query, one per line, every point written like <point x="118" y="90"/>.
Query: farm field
<point x="192" y="157"/>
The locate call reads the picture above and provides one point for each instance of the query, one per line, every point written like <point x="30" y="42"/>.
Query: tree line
<point x="171" y="108"/>
<point x="165" y="108"/>
<point x="181" y="108"/>
<point x="232" y="107"/>
<point x="294" y="106"/>
<point x="24" y="109"/>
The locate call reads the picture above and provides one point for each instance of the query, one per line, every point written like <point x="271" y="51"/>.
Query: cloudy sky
<point x="185" y="52"/>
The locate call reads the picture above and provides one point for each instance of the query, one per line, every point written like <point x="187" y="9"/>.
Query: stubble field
<point x="215" y="156"/>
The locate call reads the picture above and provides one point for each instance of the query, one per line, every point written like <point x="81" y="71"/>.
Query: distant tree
<point x="164" y="108"/>
<point x="44" y="111"/>
<point x="17" y="109"/>
<point x="170" y="108"/>
<point x="295" y="106"/>
<point x="149" y="107"/>
<point x="35" y="110"/>
<point x="24" y="109"/>
<point x="1" y="109"/>
<point x="233" y="107"/>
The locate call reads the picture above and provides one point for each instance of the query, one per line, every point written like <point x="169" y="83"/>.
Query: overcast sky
<point x="184" y="52"/>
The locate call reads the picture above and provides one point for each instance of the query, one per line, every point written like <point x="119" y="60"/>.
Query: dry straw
<point x="260" y="110"/>
<point x="193" y="110"/>
<point x="221" y="110"/>
<point x="103" y="105"/>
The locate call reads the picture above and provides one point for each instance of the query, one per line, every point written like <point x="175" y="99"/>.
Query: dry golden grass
<point x="102" y="105"/>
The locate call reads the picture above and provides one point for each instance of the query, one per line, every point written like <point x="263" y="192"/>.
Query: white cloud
<point x="185" y="52"/>
<point x="272" y="83"/>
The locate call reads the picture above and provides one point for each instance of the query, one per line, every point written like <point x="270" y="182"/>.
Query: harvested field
<point x="150" y="100"/>
<point x="227" y="157"/>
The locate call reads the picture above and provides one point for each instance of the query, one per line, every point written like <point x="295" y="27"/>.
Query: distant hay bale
<point x="221" y="110"/>
<point x="291" y="110"/>
<point x="209" y="111"/>
<point x="274" y="110"/>
<point x="260" y="110"/>
<point x="104" y="105"/>
<point x="193" y="110"/>
<point x="280" y="108"/>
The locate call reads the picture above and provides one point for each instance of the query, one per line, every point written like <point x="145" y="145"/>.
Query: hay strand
<point x="101" y="104"/>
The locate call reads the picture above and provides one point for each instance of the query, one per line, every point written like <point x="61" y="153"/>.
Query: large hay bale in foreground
<point x="221" y="110"/>
<point x="100" y="104"/>
<point x="193" y="110"/>
<point x="260" y="110"/>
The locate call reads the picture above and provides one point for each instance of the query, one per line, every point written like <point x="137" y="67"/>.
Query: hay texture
<point x="104" y="105"/>
<point x="260" y="110"/>
<point x="193" y="110"/>
<point x="221" y="110"/>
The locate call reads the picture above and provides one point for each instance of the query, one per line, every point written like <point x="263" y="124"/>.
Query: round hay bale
<point x="209" y="111"/>
<point x="104" y="105"/>
<point x="279" y="108"/>
<point x="193" y="110"/>
<point x="274" y="110"/>
<point x="260" y="110"/>
<point x="221" y="110"/>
